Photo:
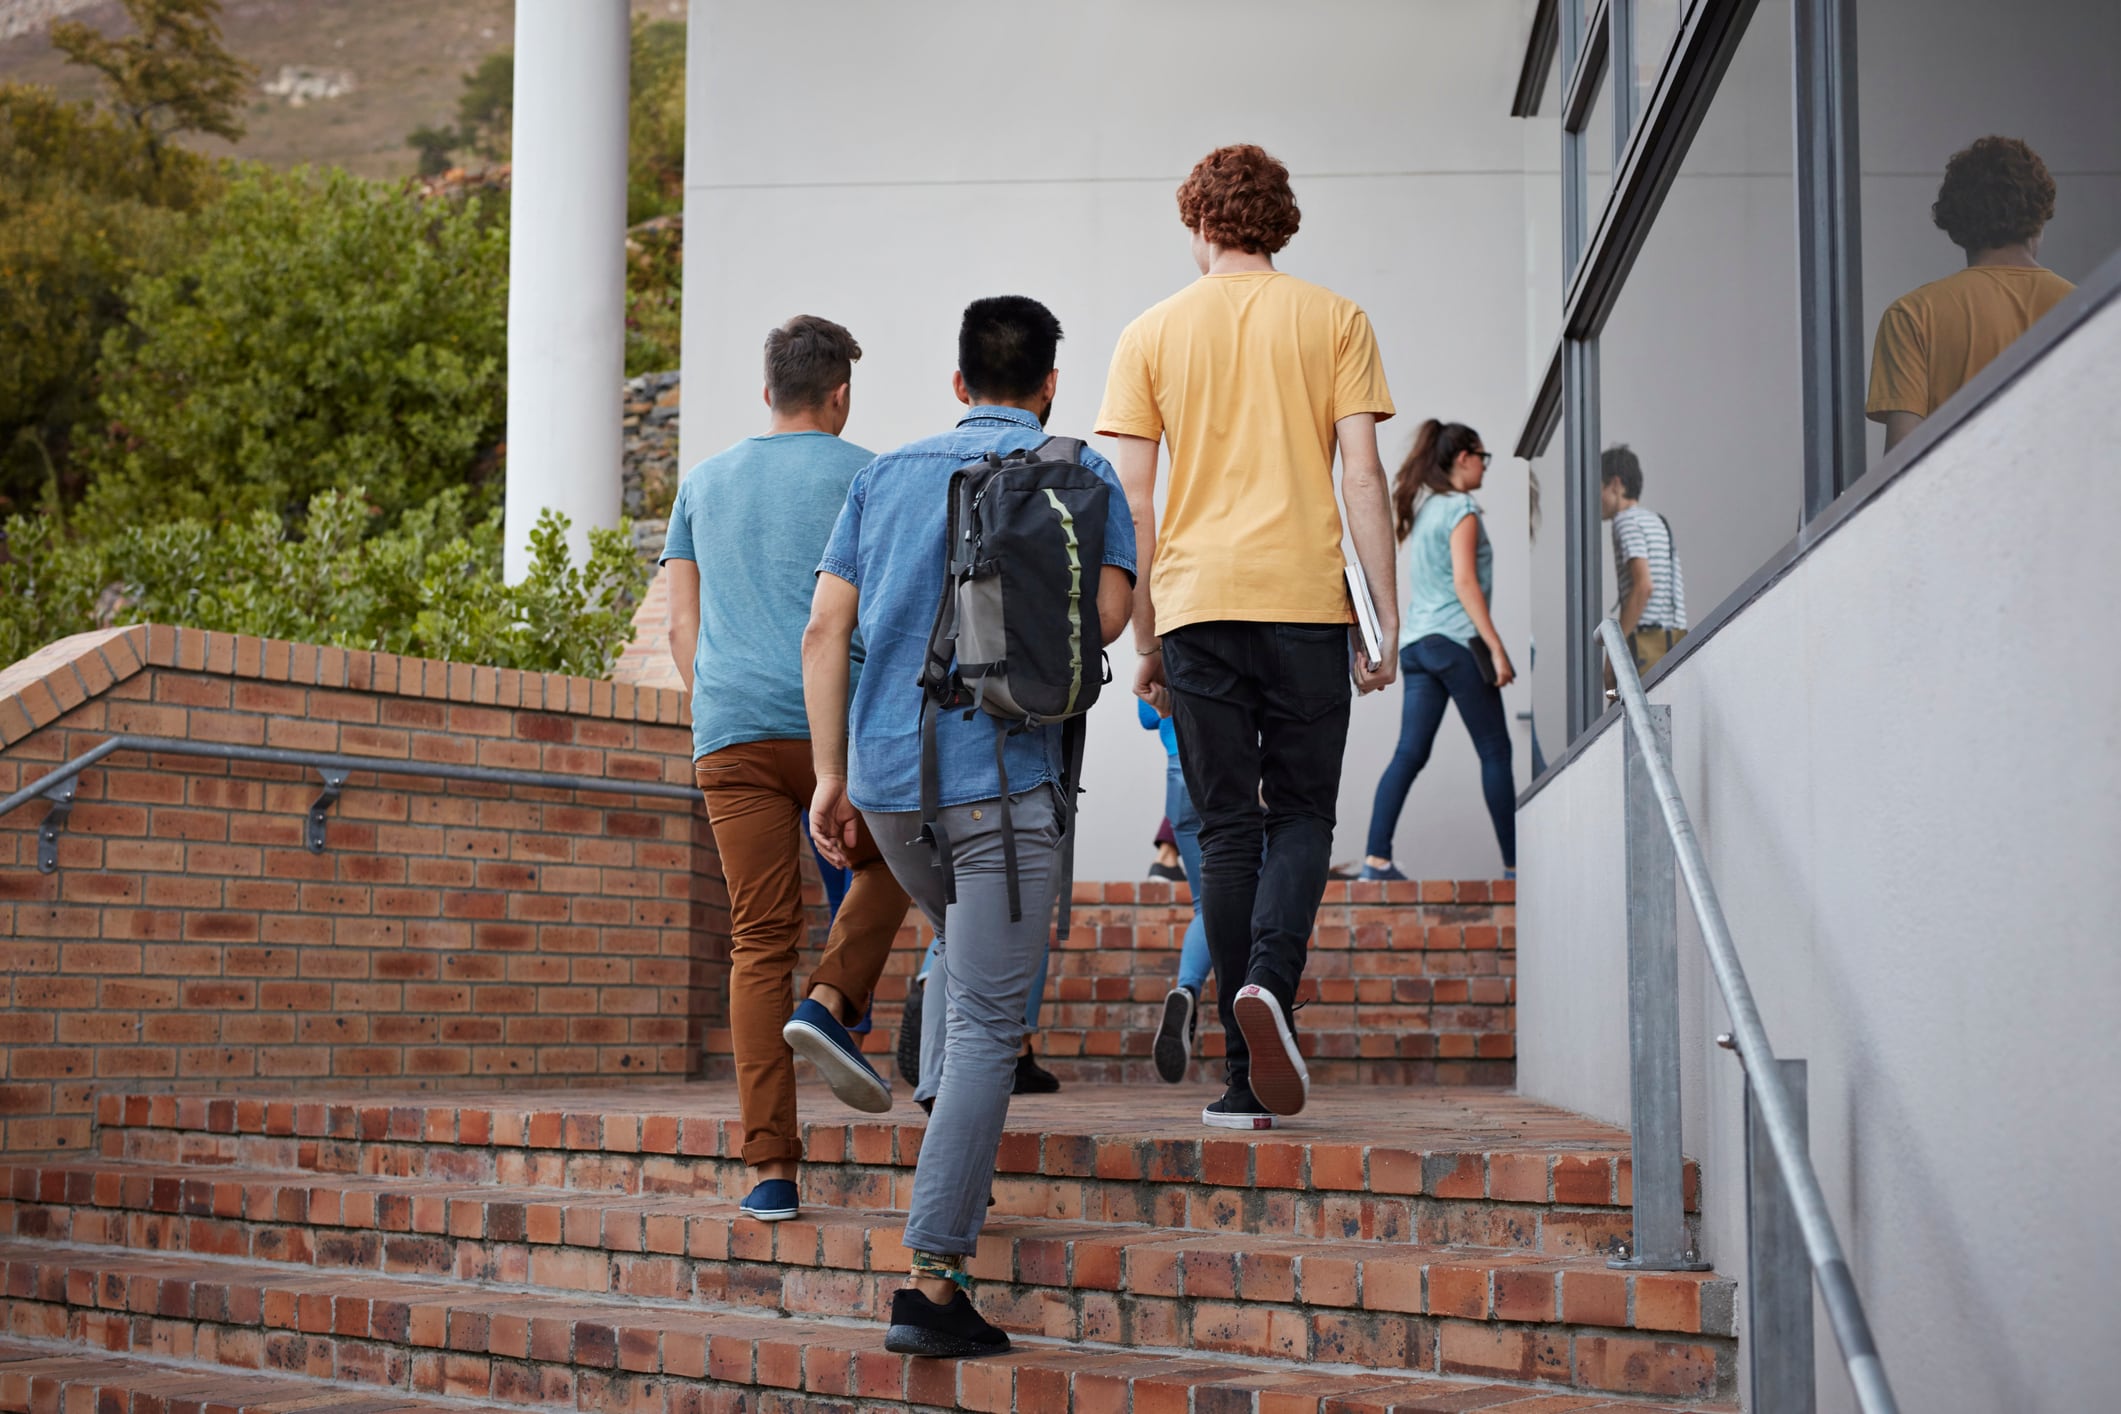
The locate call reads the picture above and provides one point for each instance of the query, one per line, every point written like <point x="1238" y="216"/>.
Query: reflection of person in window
<point x="1996" y="197"/>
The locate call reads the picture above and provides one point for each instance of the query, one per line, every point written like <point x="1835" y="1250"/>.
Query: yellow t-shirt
<point x="1932" y="340"/>
<point x="1243" y="376"/>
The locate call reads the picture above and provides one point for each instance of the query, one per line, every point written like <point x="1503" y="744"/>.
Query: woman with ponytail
<point x="1448" y="647"/>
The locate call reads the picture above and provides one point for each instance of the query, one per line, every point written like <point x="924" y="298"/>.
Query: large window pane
<point x="1934" y="76"/>
<point x="1544" y="661"/>
<point x="1699" y="362"/>
<point x="1656" y="26"/>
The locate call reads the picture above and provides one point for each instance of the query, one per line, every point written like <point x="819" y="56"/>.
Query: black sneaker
<point x="909" y="1033"/>
<point x="920" y="1327"/>
<point x="1033" y="1078"/>
<point x="1174" y="1035"/>
<point x="1237" y="1110"/>
<point x="1167" y="873"/>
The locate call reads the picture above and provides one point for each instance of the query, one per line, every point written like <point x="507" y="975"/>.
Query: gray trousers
<point x="973" y="1016"/>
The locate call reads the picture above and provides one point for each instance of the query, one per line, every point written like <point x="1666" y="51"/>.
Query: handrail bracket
<point x="61" y="795"/>
<point x="334" y="782"/>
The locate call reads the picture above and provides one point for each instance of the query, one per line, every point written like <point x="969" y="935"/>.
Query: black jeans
<point x="1261" y="708"/>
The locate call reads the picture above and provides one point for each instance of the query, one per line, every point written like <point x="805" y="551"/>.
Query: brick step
<point x="45" y="1380"/>
<point x="1442" y="1166"/>
<point x="537" y="1349"/>
<point x="1348" y="1301"/>
<point x="1411" y="982"/>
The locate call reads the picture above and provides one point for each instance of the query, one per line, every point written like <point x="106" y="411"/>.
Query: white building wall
<point x="1904" y="764"/>
<point x="935" y="152"/>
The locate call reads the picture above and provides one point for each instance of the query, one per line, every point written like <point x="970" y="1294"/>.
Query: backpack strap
<point x="933" y="834"/>
<point x="1074" y="732"/>
<point x="1060" y="449"/>
<point x="1001" y="771"/>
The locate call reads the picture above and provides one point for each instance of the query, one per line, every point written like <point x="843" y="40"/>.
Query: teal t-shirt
<point x="1432" y="599"/>
<point x="755" y="520"/>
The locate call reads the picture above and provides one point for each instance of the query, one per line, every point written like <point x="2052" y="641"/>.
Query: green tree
<point x="655" y="121"/>
<point x="486" y="108"/>
<point x="437" y="148"/>
<point x="84" y="210"/>
<point x="329" y="332"/>
<point x="48" y="585"/>
<point x="171" y="74"/>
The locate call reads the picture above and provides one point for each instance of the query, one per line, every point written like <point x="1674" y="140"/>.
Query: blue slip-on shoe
<point x="1371" y="871"/>
<point x="816" y="1035"/>
<point x="866" y="1024"/>
<point x="773" y="1201"/>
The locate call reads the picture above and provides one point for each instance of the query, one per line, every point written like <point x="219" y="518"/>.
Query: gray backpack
<point x="1016" y="632"/>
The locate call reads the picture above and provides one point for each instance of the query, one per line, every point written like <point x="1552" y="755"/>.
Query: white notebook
<point x="1365" y="614"/>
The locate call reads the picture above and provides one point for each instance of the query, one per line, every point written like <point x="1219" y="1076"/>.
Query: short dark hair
<point x="1007" y="345"/>
<point x="1996" y="193"/>
<point x="1238" y="197"/>
<point x="807" y="358"/>
<point x="1622" y="465"/>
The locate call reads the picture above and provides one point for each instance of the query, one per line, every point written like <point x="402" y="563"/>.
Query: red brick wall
<point x="449" y="931"/>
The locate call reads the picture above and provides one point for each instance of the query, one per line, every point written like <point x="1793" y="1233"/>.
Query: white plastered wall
<point x="883" y="165"/>
<point x="1904" y="764"/>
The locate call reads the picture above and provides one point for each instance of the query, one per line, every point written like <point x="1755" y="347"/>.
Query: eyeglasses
<point x="1487" y="459"/>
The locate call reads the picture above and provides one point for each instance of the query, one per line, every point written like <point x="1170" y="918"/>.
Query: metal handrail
<point x="1837" y="1288"/>
<point x="57" y="785"/>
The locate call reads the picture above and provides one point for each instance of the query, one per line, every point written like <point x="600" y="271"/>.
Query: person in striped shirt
<point x="1652" y="607"/>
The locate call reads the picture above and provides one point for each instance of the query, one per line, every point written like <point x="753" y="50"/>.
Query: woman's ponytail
<point x="1427" y="469"/>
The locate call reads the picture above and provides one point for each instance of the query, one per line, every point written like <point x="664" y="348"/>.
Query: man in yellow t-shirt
<point x="1250" y="377"/>
<point x="1996" y="198"/>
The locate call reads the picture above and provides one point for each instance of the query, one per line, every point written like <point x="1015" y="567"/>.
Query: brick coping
<point x="40" y="689"/>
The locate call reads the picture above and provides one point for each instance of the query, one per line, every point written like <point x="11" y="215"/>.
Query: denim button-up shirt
<point x="889" y="545"/>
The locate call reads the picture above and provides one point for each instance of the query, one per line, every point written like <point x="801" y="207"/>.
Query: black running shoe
<point x="1167" y="873"/>
<point x="1033" y="1078"/>
<point x="909" y="1033"/>
<point x="1237" y="1110"/>
<point x="1173" y="1049"/>
<point x="920" y="1327"/>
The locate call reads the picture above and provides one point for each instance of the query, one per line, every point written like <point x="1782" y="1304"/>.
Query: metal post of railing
<point x="1660" y="1242"/>
<point x="1837" y="1288"/>
<point x="1778" y="1296"/>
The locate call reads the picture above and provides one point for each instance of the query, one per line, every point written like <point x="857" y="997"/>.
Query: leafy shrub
<point x="85" y="208"/>
<point x="328" y="333"/>
<point x="430" y="586"/>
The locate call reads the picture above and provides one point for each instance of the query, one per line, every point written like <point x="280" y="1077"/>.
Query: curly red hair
<point x="1238" y="197"/>
<point x="1996" y="193"/>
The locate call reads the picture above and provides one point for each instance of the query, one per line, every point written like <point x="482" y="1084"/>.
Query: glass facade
<point x="2042" y="73"/>
<point x="1768" y="294"/>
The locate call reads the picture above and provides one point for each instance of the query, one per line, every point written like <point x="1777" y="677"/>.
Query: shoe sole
<point x="1280" y="1080"/>
<point x="770" y="1215"/>
<point x="909" y="1036"/>
<point x="935" y="1345"/>
<point x="853" y="1082"/>
<point x="1172" y="1051"/>
<point x="1215" y="1120"/>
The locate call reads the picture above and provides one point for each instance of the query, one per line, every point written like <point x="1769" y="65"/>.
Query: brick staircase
<point x="1431" y="1249"/>
<point x="1409" y="983"/>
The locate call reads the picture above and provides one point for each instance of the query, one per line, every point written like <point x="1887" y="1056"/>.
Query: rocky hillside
<point x="340" y="81"/>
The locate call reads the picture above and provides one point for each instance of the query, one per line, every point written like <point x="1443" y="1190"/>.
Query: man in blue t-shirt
<point x="743" y="546"/>
<point x="883" y="572"/>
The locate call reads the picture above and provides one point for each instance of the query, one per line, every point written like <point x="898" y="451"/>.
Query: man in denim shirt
<point x="883" y="571"/>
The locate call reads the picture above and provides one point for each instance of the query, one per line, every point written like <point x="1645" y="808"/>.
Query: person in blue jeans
<point x="1445" y="634"/>
<point x="1173" y="1050"/>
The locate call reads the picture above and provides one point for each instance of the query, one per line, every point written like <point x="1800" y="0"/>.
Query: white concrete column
<point x="566" y="268"/>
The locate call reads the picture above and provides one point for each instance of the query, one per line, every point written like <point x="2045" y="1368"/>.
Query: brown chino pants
<point x="755" y="792"/>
